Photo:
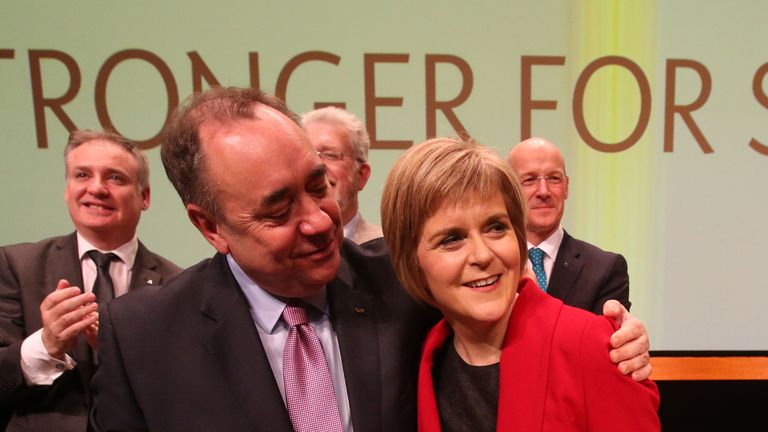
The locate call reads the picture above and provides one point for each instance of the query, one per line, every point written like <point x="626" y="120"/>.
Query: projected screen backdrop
<point x="661" y="110"/>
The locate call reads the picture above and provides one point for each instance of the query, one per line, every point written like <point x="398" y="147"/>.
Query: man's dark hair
<point x="181" y="150"/>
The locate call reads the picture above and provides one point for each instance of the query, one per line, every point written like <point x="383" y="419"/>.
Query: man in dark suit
<point x="586" y="276"/>
<point x="213" y="350"/>
<point x="208" y="353"/>
<point x="48" y="314"/>
<point x="578" y="273"/>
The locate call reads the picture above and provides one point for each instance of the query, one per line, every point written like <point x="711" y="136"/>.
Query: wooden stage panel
<point x="709" y="368"/>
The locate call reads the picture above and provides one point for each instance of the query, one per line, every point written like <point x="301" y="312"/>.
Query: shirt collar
<point x="126" y="252"/>
<point x="350" y="228"/>
<point x="266" y="309"/>
<point x="551" y="244"/>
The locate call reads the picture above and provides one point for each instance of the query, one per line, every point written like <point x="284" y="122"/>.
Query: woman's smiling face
<point x="470" y="258"/>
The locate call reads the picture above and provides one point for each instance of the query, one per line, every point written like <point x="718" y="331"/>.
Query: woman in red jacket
<point x="507" y="356"/>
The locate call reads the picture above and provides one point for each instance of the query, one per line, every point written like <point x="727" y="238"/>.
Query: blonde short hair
<point x="430" y="174"/>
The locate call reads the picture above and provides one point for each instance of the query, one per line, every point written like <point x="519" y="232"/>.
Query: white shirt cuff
<point x="38" y="367"/>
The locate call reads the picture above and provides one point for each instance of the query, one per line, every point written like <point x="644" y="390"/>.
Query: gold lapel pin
<point x="359" y="309"/>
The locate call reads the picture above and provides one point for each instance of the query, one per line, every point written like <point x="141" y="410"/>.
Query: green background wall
<point x="692" y="224"/>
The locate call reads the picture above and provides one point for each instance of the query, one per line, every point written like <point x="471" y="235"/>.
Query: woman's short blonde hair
<point x="430" y="174"/>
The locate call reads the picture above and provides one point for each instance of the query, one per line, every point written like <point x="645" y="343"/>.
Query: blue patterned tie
<point x="537" y="259"/>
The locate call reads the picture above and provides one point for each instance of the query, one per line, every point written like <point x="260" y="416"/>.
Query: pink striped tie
<point x="308" y="386"/>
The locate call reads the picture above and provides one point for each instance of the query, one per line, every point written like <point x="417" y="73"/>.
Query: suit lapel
<point x="354" y="321"/>
<point x="145" y="269"/>
<point x="566" y="269"/>
<point x="233" y="341"/>
<point x="232" y="338"/>
<point x="64" y="263"/>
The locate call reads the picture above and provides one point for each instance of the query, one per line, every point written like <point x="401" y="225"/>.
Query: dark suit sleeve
<point x="114" y="407"/>
<point x="615" y="284"/>
<point x="12" y="332"/>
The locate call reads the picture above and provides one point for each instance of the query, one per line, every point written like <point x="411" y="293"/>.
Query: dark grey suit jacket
<point x="188" y="357"/>
<point x="585" y="276"/>
<point x="28" y="273"/>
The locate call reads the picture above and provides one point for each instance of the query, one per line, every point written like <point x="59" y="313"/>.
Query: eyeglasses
<point x="331" y="155"/>
<point x="550" y="180"/>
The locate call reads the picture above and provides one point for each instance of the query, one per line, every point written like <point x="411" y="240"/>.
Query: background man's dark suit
<point x="28" y="273"/>
<point x="196" y="362"/>
<point x="585" y="276"/>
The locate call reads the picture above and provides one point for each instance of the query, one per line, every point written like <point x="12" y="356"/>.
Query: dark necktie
<point x="537" y="260"/>
<point x="309" y="391"/>
<point x="102" y="287"/>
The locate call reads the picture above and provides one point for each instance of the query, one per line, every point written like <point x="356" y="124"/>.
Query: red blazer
<point x="555" y="373"/>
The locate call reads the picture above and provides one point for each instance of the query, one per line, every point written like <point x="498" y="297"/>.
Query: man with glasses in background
<point x="574" y="271"/>
<point x="342" y="143"/>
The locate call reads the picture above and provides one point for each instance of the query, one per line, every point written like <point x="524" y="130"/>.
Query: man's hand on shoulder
<point x="630" y="342"/>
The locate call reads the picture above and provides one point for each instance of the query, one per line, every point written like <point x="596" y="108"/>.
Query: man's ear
<point x="145" y="198"/>
<point x="208" y="227"/>
<point x="365" y="173"/>
<point x="566" y="188"/>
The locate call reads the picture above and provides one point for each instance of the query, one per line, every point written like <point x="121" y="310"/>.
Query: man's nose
<point x="97" y="187"/>
<point x="542" y="187"/>
<point x="316" y="220"/>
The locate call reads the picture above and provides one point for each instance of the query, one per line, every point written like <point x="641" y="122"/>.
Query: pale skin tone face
<point x="471" y="261"/>
<point x="537" y="157"/>
<point x="277" y="214"/>
<point x="103" y="194"/>
<point x="348" y="177"/>
<point x="105" y="203"/>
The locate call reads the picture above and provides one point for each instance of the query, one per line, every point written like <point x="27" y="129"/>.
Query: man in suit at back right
<point x="578" y="273"/>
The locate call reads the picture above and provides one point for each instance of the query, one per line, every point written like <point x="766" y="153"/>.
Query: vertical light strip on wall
<point x="611" y="200"/>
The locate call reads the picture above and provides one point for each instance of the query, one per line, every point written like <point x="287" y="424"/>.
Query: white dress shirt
<point x="550" y="246"/>
<point x="350" y="228"/>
